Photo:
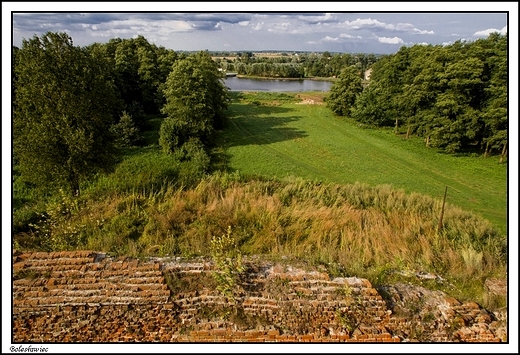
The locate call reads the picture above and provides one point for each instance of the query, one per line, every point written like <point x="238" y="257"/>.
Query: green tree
<point x="344" y="92"/>
<point x="454" y="96"/>
<point x="196" y="99"/>
<point x="62" y="110"/>
<point x="495" y="113"/>
<point x="371" y="107"/>
<point x="125" y="132"/>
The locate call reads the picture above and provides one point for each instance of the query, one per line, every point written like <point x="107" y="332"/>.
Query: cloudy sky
<point x="334" y="29"/>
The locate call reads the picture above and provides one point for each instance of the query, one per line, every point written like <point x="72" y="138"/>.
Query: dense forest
<point x="454" y="96"/>
<point x="75" y="106"/>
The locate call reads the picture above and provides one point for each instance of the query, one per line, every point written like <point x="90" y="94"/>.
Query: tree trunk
<point x="74" y="183"/>
<point x="427" y="141"/>
<point x="439" y="226"/>
<point x="487" y="150"/>
<point x="408" y="132"/>
<point x="504" y="153"/>
<point x="396" y="125"/>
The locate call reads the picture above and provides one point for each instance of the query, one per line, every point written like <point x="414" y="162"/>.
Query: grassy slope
<point x="284" y="139"/>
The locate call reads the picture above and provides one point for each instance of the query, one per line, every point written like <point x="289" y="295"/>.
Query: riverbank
<point x="262" y="84"/>
<point x="315" y="78"/>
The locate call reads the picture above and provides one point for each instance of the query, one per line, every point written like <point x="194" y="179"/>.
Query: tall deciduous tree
<point x="62" y="112"/>
<point x="196" y="99"/>
<point x="344" y="92"/>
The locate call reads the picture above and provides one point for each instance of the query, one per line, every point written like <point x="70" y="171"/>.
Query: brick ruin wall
<point x="85" y="296"/>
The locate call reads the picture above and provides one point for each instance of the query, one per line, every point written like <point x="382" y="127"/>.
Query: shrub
<point x="126" y="133"/>
<point x="55" y="229"/>
<point x="228" y="261"/>
<point x="169" y="135"/>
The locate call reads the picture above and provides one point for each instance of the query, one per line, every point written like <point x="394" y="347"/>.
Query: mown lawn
<point x="276" y="136"/>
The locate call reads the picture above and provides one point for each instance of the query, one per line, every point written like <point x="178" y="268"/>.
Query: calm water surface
<point x="276" y="85"/>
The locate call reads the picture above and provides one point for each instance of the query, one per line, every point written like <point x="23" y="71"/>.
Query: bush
<point x="126" y="133"/>
<point x="169" y="136"/>
<point x="55" y="230"/>
<point x="194" y="162"/>
<point x="228" y="261"/>
<point x="193" y="150"/>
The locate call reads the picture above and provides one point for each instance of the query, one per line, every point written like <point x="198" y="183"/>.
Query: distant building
<point x="367" y="74"/>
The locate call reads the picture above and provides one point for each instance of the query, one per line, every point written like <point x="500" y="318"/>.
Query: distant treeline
<point x="454" y="96"/>
<point x="297" y="65"/>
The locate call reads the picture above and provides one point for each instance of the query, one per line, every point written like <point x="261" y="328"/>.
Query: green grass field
<point x="273" y="135"/>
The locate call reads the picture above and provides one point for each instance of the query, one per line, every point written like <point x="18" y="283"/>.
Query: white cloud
<point x="243" y="23"/>
<point x="258" y="26"/>
<point x="131" y="27"/>
<point x="330" y="39"/>
<point x="374" y="24"/>
<point x="343" y="38"/>
<point x="280" y="27"/>
<point x="359" y="23"/>
<point x="318" y="19"/>
<point x="388" y="40"/>
<point x="423" y="32"/>
<point x="346" y="35"/>
<point x="487" y="32"/>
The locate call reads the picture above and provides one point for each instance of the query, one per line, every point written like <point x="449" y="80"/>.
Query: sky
<point x="333" y="30"/>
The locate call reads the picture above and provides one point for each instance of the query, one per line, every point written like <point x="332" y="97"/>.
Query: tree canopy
<point x="344" y="92"/>
<point x="454" y="96"/>
<point x="62" y="105"/>
<point x="196" y="99"/>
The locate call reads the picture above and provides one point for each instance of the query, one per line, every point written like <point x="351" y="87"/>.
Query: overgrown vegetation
<point x="357" y="226"/>
<point x="151" y="203"/>
<point x="228" y="263"/>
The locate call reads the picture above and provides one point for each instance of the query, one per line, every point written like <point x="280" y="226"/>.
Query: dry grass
<point x="366" y="230"/>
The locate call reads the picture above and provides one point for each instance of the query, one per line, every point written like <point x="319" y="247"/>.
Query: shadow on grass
<point x="151" y="133"/>
<point x="259" y="125"/>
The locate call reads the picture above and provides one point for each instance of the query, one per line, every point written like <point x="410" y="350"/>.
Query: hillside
<point x="275" y="135"/>
<point x="316" y="224"/>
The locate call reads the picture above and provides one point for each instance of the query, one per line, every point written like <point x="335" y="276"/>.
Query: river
<point x="276" y="85"/>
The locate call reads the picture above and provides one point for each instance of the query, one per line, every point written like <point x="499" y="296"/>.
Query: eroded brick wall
<point x="88" y="297"/>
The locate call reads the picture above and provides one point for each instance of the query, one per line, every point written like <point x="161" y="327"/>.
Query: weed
<point x="228" y="261"/>
<point x="29" y="274"/>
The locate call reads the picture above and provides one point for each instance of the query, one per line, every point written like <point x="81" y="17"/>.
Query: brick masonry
<point x="84" y="296"/>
